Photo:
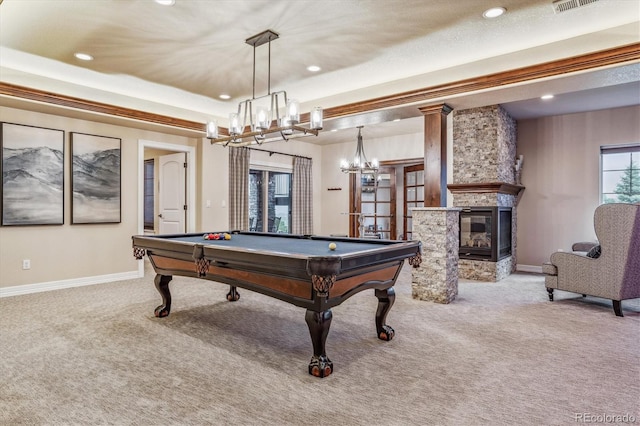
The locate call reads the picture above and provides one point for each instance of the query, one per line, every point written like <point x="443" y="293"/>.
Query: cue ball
<point x="332" y="246"/>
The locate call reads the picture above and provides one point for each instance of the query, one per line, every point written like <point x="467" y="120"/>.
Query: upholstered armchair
<point x="615" y="274"/>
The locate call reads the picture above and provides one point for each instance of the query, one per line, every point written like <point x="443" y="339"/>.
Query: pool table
<point x="301" y="270"/>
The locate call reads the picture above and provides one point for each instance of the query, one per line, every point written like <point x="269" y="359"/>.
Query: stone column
<point x="436" y="279"/>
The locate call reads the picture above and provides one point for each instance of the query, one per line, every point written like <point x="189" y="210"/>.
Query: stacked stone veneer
<point x="484" y="150"/>
<point x="436" y="279"/>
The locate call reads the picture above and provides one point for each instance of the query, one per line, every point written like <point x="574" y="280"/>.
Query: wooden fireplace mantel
<point x="499" y="187"/>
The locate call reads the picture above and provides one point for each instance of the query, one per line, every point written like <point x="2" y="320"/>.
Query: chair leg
<point x="617" y="307"/>
<point x="550" y="291"/>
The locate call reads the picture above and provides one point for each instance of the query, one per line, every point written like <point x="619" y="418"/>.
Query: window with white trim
<point x="620" y="174"/>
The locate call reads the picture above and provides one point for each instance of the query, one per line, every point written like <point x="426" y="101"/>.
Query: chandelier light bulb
<point x="262" y="118"/>
<point x="315" y="121"/>
<point x="212" y="129"/>
<point x="235" y="127"/>
<point x="285" y="122"/>
<point x="293" y="111"/>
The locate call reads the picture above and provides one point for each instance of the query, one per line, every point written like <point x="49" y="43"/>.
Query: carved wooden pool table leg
<point x="162" y="285"/>
<point x="386" y="298"/>
<point x="233" y="294"/>
<point x="319" y="323"/>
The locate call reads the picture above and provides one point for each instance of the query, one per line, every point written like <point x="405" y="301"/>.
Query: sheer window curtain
<point x="239" y="188"/>
<point x="302" y="197"/>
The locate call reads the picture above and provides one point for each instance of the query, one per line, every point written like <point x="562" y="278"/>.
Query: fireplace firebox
<point x="485" y="233"/>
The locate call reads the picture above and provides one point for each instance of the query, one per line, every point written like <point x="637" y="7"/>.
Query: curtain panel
<point x="302" y="197"/>
<point x="239" y="188"/>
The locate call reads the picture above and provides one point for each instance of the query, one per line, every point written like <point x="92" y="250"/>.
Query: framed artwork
<point x="95" y="179"/>
<point x="32" y="175"/>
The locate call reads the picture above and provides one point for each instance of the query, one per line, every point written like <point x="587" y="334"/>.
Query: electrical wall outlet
<point x="26" y="264"/>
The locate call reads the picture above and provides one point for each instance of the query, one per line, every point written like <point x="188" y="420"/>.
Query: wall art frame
<point x="96" y="188"/>
<point x="32" y="169"/>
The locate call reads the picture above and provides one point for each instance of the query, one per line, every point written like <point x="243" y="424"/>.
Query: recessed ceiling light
<point x="397" y="119"/>
<point x="546" y="97"/>
<point x="83" y="56"/>
<point x="225" y="96"/>
<point x="166" y="2"/>
<point x="494" y="12"/>
<point x="313" y="68"/>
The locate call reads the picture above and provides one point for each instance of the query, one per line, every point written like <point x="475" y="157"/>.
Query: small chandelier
<point x="258" y="118"/>
<point x="360" y="164"/>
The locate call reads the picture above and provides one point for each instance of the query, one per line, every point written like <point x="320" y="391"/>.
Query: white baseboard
<point x="529" y="268"/>
<point x="75" y="282"/>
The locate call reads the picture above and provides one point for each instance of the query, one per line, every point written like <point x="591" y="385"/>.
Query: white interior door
<point x="172" y="193"/>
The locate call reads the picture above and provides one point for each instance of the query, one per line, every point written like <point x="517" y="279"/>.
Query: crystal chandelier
<point x="261" y="119"/>
<point x="360" y="164"/>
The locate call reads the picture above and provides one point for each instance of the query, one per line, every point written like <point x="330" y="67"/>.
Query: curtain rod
<point x="279" y="153"/>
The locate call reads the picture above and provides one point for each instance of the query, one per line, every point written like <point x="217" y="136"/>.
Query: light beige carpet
<point x="500" y="354"/>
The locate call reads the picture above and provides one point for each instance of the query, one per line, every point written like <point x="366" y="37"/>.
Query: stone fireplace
<point x="484" y="185"/>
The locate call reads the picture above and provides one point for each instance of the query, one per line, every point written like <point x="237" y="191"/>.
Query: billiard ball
<point x="332" y="246"/>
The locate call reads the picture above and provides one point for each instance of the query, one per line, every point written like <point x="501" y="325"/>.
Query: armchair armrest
<point x="585" y="275"/>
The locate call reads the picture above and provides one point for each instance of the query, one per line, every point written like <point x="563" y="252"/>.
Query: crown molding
<point x="611" y="57"/>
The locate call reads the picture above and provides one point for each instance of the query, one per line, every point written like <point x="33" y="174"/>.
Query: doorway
<point x="373" y="204"/>
<point x="377" y="207"/>
<point x="172" y="193"/>
<point x="144" y="146"/>
<point x="413" y="196"/>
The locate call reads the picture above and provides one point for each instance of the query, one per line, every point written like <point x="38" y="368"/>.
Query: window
<point x="620" y="174"/>
<point x="269" y="201"/>
<point x="148" y="194"/>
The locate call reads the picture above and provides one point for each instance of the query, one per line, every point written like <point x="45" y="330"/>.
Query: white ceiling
<point x="177" y="60"/>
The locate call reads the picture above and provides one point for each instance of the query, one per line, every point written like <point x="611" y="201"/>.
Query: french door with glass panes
<point x="269" y="201"/>
<point x="413" y="194"/>
<point x="373" y="212"/>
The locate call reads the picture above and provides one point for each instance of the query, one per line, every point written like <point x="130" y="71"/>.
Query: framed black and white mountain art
<point x="32" y="175"/>
<point x="95" y="179"/>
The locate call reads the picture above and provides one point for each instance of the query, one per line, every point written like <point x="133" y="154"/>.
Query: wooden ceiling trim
<point x="36" y="95"/>
<point x="615" y="56"/>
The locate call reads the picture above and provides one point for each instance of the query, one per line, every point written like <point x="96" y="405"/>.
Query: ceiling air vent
<point x="565" y="5"/>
